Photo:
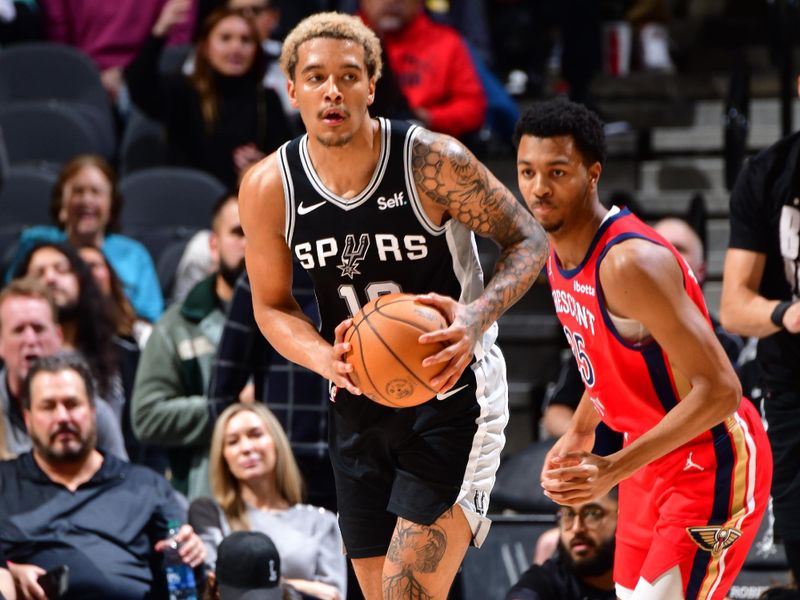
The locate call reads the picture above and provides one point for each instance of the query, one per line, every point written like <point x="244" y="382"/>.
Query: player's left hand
<point x="460" y="337"/>
<point x="577" y="478"/>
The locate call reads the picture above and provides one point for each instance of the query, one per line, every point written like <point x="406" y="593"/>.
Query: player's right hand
<point x="339" y="369"/>
<point x="569" y="442"/>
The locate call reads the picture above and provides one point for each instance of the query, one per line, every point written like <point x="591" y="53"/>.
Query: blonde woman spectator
<point x="257" y="487"/>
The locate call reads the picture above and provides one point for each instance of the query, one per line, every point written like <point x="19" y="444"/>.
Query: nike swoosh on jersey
<point x="448" y="393"/>
<point x="304" y="210"/>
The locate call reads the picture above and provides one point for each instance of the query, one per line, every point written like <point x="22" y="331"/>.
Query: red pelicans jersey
<point x="699" y="506"/>
<point x="631" y="384"/>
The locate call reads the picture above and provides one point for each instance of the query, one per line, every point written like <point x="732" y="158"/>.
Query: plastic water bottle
<point x="180" y="576"/>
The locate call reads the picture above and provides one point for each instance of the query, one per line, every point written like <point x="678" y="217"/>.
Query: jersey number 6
<point x="578" y="350"/>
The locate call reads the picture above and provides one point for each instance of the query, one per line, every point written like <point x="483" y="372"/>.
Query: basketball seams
<point x="375" y="348"/>
<point x="396" y="357"/>
<point x="364" y="366"/>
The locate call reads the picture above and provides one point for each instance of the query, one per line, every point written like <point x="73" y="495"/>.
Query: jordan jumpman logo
<point x="690" y="464"/>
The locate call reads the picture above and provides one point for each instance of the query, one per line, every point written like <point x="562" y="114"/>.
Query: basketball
<point x="385" y="353"/>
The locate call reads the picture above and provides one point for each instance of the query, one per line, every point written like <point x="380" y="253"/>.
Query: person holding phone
<point x="66" y="503"/>
<point x="7" y="591"/>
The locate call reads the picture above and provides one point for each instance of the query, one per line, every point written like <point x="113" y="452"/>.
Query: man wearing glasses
<point x="583" y="566"/>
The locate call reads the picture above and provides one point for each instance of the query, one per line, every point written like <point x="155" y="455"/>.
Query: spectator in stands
<point x="245" y="363"/>
<point x="266" y="14"/>
<point x="169" y="405"/>
<point x="65" y="503"/>
<point x="83" y="314"/>
<point x="432" y="65"/>
<point x="112" y="33"/>
<point x="86" y="205"/>
<point x="130" y="336"/>
<point x="583" y="567"/>
<point x="257" y="486"/>
<point x="28" y="331"/>
<point x="126" y="324"/>
<point x="220" y="118"/>
<point x="248" y="566"/>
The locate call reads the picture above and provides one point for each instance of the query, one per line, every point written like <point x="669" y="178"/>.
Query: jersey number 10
<point x="373" y="290"/>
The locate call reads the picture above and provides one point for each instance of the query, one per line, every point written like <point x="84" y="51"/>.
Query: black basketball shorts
<point x="417" y="462"/>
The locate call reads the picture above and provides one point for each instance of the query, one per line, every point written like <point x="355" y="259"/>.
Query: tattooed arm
<point x="453" y="184"/>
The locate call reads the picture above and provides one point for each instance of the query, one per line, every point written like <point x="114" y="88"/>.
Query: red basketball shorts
<point x="698" y="507"/>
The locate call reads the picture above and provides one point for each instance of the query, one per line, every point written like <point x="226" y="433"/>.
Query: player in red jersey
<point x="695" y="469"/>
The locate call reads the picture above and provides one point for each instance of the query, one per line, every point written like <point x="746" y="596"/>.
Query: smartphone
<point x="55" y="582"/>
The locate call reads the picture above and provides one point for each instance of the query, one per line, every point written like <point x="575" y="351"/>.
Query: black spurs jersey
<point x="379" y="241"/>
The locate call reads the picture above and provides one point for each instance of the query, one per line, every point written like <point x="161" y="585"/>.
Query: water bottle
<point x="180" y="576"/>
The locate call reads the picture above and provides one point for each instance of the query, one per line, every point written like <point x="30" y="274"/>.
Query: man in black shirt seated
<point x="66" y="503"/>
<point x="583" y="566"/>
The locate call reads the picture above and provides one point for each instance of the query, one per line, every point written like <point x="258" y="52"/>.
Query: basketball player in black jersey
<point x="370" y="206"/>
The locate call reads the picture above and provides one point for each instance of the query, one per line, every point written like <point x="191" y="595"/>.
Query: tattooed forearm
<point x="447" y="175"/>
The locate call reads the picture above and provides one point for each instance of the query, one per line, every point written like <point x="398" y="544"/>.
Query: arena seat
<point x="168" y="197"/>
<point x="24" y="201"/>
<point x="3" y="159"/>
<point x="46" y="132"/>
<point x="489" y="572"/>
<point x="143" y="145"/>
<point x="167" y="265"/>
<point x="48" y="71"/>
<point x="517" y="485"/>
<point x="25" y="196"/>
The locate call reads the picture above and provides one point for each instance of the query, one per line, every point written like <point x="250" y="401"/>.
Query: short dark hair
<point x="62" y="361"/>
<point x="221" y="202"/>
<point x="562" y="117"/>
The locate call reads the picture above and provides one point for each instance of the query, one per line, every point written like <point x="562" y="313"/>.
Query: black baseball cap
<point x="248" y="567"/>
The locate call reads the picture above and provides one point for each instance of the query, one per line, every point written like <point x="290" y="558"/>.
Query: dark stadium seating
<point x="143" y="144"/>
<point x="517" y="485"/>
<point x="46" y="132"/>
<point x="489" y="572"/>
<point x="168" y="197"/>
<point x="47" y="71"/>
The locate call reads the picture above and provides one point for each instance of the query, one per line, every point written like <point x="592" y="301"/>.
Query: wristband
<point x="777" y="314"/>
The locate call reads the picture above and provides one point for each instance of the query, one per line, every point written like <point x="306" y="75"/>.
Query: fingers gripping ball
<point x="385" y="353"/>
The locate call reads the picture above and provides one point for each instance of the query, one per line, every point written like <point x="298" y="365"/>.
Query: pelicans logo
<point x="713" y="539"/>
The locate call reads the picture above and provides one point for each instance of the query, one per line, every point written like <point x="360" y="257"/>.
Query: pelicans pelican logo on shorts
<point x="713" y="539"/>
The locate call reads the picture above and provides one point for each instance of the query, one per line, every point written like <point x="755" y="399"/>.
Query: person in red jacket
<point x="432" y="65"/>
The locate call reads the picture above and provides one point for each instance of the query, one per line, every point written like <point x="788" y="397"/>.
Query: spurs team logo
<point x="480" y="502"/>
<point x="713" y="538"/>
<point x="352" y="255"/>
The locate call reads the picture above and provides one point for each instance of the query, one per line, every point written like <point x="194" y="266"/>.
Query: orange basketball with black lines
<point x="385" y="353"/>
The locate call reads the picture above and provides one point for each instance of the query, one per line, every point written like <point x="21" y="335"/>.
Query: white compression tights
<point x="667" y="587"/>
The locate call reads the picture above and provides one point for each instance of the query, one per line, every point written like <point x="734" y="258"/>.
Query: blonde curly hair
<point x="336" y="26"/>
